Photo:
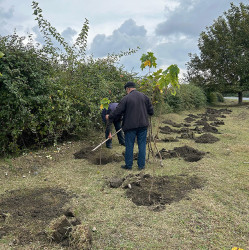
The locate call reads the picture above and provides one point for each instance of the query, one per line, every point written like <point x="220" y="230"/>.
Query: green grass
<point x="214" y="217"/>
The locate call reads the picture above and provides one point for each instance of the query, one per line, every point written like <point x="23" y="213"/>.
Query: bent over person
<point x="136" y="108"/>
<point x="116" y="123"/>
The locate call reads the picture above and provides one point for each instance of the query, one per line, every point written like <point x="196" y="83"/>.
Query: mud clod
<point x="187" y="153"/>
<point x="206" y="138"/>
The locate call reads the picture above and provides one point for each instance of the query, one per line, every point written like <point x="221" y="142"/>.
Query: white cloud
<point x="128" y="35"/>
<point x="192" y="16"/>
<point x="169" y="28"/>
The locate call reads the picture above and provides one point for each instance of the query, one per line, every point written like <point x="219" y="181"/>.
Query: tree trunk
<point x="240" y="96"/>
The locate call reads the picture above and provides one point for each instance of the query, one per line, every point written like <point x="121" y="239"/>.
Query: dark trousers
<point x="130" y="136"/>
<point x="120" y="134"/>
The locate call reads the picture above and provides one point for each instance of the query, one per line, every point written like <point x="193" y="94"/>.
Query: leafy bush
<point x="214" y="97"/>
<point x="187" y="97"/>
<point x="42" y="101"/>
<point x="220" y="97"/>
<point x="23" y="92"/>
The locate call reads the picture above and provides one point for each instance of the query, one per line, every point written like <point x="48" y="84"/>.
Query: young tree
<point x="224" y="54"/>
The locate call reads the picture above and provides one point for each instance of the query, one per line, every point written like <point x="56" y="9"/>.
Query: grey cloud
<point x="175" y="52"/>
<point x="7" y="14"/>
<point x="67" y="34"/>
<point x="129" y="35"/>
<point x="192" y="16"/>
<point x="38" y="35"/>
<point x="130" y="28"/>
<point x="4" y="17"/>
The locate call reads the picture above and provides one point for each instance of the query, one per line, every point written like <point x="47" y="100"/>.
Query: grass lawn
<point x="38" y="187"/>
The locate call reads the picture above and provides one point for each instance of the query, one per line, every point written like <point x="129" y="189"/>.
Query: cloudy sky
<point x="169" y="28"/>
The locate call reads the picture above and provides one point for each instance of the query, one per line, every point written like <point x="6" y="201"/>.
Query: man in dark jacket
<point x="116" y="123"/>
<point x="135" y="108"/>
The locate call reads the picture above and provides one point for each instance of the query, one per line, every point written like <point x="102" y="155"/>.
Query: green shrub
<point x="42" y="101"/>
<point x="24" y="92"/>
<point x="187" y="97"/>
<point x="220" y="97"/>
<point x="214" y="97"/>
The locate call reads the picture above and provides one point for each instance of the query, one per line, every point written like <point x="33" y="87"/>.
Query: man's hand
<point x="107" y="117"/>
<point x="110" y="135"/>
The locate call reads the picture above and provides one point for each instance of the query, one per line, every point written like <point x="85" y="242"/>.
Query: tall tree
<point x="224" y="54"/>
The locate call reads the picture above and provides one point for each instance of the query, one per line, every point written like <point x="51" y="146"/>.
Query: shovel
<point x="106" y="140"/>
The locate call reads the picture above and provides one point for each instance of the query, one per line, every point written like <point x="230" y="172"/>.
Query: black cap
<point x="130" y="85"/>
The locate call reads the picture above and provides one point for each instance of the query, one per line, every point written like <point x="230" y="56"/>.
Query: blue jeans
<point x="130" y="136"/>
<point x="117" y="125"/>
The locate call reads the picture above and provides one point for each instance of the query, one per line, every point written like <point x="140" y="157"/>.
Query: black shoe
<point x="126" y="167"/>
<point x="141" y="168"/>
<point x="110" y="147"/>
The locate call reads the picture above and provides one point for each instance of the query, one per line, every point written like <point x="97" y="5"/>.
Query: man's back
<point x="137" y="108"/>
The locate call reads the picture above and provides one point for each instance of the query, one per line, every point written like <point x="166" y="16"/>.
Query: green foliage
<point x="47" y="94"/>
<point x="1" y="55"/>
<point x="104" y="103"/>
<point x="41" y="101"/>
<point x="224" y="53"/>
<point x="23" y="93"/>
<point x="85" y="80"/>
<point x="187" y="97"/>
<point x="159" y="82"/>
<point x="220" y="97"/>
<point x="72" y="54"/>
<point x="214" y="97"/>
<point x="148" y="60"/>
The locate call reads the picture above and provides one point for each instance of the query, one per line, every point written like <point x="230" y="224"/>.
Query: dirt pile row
<point x="206" y="123"/>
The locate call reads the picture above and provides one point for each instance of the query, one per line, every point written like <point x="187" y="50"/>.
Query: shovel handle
<point x="106" y="140"/>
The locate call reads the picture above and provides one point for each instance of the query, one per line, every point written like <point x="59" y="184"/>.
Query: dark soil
<point x="173" y="124"/>
<point x="205" y="123"/>
<point x="26" y="213"/>
<point x="98" y="157"/>
<point x="170" y="139"/>
<point x="206" y="138"/>
<point x="187" y="153"/>
<point x="167" y="130"/>
<point x="145" y="190"/>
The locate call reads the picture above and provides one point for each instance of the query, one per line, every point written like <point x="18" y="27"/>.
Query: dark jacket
<point x="135" y="108"/>
<point x="111" y="107"/>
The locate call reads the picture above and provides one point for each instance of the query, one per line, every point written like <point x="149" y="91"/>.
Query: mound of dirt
<point x="209" y="128"/>
<point x="187" y="153"/>
<point x="173" y="124"/>
<point x="26" y="213"/>
<point x="98" y="157"/>
<point x="189" y="119"/>
<point x="206" y="138"/>
<point x="188" y="135"/>
<point x="217" y="112"/>
<point x="167" y="130"/>
<point x="69" y="231"/>
<point x="145" y="190"/>
<point x="217" y="123"/>
<point x="170" y="139"/>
